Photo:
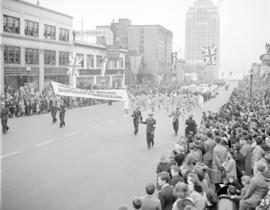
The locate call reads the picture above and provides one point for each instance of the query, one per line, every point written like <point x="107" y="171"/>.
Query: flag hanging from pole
<point x="209" y="55"/>
<point x="104" y="66"/>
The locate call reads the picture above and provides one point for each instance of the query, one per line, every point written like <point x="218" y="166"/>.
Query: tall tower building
<point x="202" y="30"/>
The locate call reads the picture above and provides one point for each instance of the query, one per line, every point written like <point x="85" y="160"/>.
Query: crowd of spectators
<point x="27" y="102"/>
<point x="225" y="164"/>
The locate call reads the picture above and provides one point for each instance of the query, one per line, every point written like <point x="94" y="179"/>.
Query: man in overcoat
<point x="219" y="156"/>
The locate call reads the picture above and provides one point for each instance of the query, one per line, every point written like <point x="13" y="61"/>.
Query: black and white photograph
<point x="135" y="105"/>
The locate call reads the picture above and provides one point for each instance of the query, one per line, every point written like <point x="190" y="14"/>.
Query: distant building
<point x="34" y="41"/>
<point x="154" y="44"/>
<point x="120" y="32"/>
<point x="202" y="30"/>
<point x="90" y="73"/>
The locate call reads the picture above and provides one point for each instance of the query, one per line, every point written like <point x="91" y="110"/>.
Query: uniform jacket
<point x="150" y="125"/>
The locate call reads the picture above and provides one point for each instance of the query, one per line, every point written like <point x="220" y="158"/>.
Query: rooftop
<point x="44" y="8"/>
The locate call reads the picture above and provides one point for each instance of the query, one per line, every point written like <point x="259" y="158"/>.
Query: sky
<point x="244" y="24"/>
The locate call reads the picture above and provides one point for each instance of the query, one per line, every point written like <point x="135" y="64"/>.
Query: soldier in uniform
<point x="150" y="128"/>
<point x="4" y="118"/>
<point x="62" y="111"/>
<point x="54" y="109"/>
<point x="175" y="114"/>
<point x="137" y="117"/>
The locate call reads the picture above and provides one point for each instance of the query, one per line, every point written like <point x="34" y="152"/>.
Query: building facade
<point x="154" y="44"/>
<point x="90" y="74"/>
<point x="35" y="45"/>
<point x="202" y="30"/>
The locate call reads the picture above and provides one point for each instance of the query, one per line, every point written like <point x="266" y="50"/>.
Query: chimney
<point x="38" y="3"/>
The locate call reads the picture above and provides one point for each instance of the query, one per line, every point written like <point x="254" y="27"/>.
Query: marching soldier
<point x="150" y="128"/>
<point x="62" y="111"/>
<point x="175" y="114"/>
<point x="4" y="118"/>
<point x="54" y="110"/>
<point x="137" y="117"/>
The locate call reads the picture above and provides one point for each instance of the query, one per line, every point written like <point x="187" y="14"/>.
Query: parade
<point x="135" y="105"/>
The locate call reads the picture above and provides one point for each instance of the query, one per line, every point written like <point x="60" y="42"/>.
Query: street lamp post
<point x="28" y="69"/>
<point x="251" y="78"/>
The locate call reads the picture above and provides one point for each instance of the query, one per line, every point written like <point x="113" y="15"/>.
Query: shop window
<point x="90" y="61"/>
<point x="49" y="32"/>
<point x="31" y="28"/>
<point x="49" y="57"/>
<point x="11" y="24"/>
<point x="64" y="35"/>
<point x="12" y="55"/>
<point x="31" y="56"/>
<point x="63" y="58"/>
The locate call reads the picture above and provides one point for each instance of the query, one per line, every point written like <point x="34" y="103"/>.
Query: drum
<point x="226" y="203"/>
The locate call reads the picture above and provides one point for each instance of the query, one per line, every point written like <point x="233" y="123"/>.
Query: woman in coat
<point x="230" y="166"/>
<point x="219" y="156"/>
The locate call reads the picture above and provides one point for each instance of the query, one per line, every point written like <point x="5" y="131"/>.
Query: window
<point x="64" y="35"/>
<point x="31" y="56"/>
<point x="49" y="57"/>
<point x="63" y="58"/>
<point x="49" y="32"/>
<point x="99" y="61"/>
<point x="12" y="55"/>
<point x="31" y="28"/>
<point x="121" y="63"/>
<point x="11" y="24"/>
<point x="90" y="61"/>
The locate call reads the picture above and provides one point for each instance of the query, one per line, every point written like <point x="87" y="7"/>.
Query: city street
<point x="94" y="163"/>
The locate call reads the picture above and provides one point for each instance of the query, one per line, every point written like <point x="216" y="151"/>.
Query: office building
<point x="202" y="30"/>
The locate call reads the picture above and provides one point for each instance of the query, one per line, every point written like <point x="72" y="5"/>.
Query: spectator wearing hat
<point x="150" y="202"/>
<point x="219" y="156"/>
<point x="246" y="151"/>
<point x="175" y="175"/>
<point x="257" y="190"/>
<point x="150" y="128"/>
<point x="165" y="195"/>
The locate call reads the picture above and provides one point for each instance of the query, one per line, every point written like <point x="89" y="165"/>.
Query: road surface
<point x="94" y="163"/>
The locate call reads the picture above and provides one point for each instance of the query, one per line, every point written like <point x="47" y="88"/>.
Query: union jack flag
<point x="209" y="55"/>
<point x="75" y="63"/>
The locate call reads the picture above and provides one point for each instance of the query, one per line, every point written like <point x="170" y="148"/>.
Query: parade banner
<point x="114" y="94"/>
